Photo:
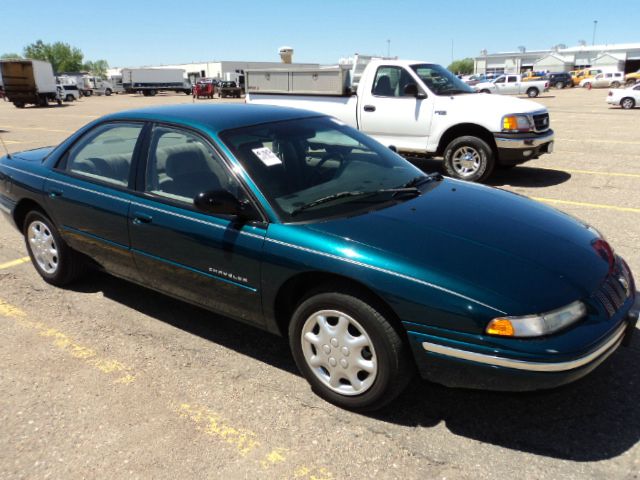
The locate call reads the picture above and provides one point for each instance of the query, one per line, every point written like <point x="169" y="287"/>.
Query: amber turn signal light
<point x="500" y="326"/>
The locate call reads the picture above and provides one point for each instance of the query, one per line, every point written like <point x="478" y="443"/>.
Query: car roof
<point x="214" y="118"/>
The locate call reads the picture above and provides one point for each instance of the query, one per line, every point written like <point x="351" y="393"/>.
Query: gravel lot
<point x="109" y="380"/>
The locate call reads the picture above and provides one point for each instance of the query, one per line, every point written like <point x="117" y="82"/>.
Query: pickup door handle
<point x="54" y="192"/>
<point x="139" y="218"/>
<point x="369" y="108"/>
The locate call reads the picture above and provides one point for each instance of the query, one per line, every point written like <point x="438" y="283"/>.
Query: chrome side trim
<point x="607" y="347"/>
<point x="523" y="143"/>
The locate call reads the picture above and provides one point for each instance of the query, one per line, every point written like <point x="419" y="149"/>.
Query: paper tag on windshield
<point x="267" y="156"/>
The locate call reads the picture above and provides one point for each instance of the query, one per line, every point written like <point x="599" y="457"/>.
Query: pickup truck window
<point x="440" y="80"/>
<point x="391" y="81"/>
<point x="299" y="162"/>
<point x="512" y="79"/>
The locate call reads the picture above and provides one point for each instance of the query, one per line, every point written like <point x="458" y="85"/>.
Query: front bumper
<point x="457" y="367"/>
<point x="515" y="148"/>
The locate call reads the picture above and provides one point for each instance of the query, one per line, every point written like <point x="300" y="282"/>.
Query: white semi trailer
<point x="150" y="81"/>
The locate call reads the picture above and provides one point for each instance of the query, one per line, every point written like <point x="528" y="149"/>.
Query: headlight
<point x="516" y="123"/>
<point x="537" y="325"/>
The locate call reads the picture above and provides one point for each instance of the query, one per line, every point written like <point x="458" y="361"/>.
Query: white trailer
<point x="150" y="81"/>
<point x="29" y="82"/>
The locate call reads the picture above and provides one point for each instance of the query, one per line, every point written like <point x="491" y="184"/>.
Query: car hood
<point x="493" y="246"/>
<point x="503" y="103"/>
<point x="34" y="155"/>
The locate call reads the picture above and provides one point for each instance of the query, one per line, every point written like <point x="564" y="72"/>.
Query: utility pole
<point x="595" y="24"/>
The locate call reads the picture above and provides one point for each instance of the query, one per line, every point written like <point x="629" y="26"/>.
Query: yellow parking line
<point x="585" y="204"/>
<point x="595" y="172"/>
<point x="13" y="263"/>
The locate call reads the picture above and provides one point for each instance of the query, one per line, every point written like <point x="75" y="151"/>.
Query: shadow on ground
<point x="519" y="176"/>
<point x="594" y="419"/>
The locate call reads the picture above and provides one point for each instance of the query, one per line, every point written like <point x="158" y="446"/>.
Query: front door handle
<point x="139" y="218"/>
<point x="369" y="108"/>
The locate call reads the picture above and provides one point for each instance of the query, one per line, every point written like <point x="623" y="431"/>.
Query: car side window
<point x="181" y="165"/>
<point x="391" y="82"/>
<point x="105" y="153"/>
<point x="500" y="80"/>
<point x="512" y="79"/>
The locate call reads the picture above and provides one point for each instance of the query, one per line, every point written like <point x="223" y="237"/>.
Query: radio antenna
<point x="5" y="147"/>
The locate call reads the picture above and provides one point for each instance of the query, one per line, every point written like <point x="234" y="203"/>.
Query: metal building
<point x="622" y="56"/>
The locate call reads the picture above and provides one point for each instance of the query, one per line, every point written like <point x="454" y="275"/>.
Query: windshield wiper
<point x="454" y="90"/>
<point x="420" y="179"/>
<point x="356" y="193"/>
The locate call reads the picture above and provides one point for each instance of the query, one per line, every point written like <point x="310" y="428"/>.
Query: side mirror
<point x="411" y="90"/>
<point x="219" y="202"/>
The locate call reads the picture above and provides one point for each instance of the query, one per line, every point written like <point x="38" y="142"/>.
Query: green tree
<point x="97" y="68"/>
<point x="464" y="66"/>
<point x="10" y="56"/>
<point x="62" y="56"/>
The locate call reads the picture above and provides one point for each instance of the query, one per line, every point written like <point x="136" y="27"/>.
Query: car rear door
<point x="89" y="194"/>
<point x="210" y="260"/>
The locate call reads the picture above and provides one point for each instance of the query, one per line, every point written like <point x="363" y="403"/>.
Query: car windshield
<point x="440" y="80"/>
<point x="318" y="167"/>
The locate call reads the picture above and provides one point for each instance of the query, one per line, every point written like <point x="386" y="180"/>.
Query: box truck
<point x="29" y="82"/>
<point x="150" y="81"/>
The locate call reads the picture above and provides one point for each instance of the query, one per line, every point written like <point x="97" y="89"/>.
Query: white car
<point x="68" y="92"/>
<point x="604" y="80"/>
<point x="625" y="97"/>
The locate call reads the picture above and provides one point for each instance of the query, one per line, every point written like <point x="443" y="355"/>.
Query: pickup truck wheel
<point x="559" y="85"/>
<point x="54" y="261"/>
<point x="468" y="158"/>
<point x="627" y="103"/>
<point x="107" y="92"/>
<point x="348" y="351"/>
<point x="532" y="92"/>
<point x="615" y="84"/>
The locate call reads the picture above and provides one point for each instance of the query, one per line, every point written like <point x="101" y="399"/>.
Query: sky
<point x="136" y="33"/>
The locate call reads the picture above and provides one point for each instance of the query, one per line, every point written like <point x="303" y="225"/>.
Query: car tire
<point x="348" y="351"/>
<point x="69" y="98"/>
<point x="54" y="261"/>
<point x="485" y="91"/>
<point x="627" y="103"/>
<point x="559" y="85"/>
<point x="152" y="93"/>
<point x="533" y="92"/>
<point x="107" y="92"/>
<point x="615" y="84"/>
<point x="468" y="158"/>
<point x="587" y="85"/>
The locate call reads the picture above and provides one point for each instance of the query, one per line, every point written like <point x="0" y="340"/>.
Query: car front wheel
<point x="348" y="351"/>
<point x="532" y="92"/>
<point x="468" y="158"/>
<point x="56" y="263"/>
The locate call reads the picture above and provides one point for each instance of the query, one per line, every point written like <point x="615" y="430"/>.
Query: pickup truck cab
<point x="513" y="85"/>
<point x="422" y="109"/>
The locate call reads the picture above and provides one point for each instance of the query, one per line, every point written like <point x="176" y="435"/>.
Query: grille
<point x="541" y="122"/>
<point x="613" y="292"/>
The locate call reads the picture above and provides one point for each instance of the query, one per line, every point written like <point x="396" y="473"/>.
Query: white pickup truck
<point x="417" y="108"/>
<point x="509" y="84"/>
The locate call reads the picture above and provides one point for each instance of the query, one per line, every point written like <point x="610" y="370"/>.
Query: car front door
<point x="512" y="87"/>
<point x="210" y="260"/>
<point x="393" y="117"/>
<point x="89" y="194"/>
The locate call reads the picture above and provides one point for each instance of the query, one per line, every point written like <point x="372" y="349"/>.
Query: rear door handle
<point x="139" y="218"/>
<point x="54" y="192"/>
<point x="369" y="108"/>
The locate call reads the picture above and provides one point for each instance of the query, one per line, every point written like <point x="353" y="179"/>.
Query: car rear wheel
<point x="56" y="263"/>
<point x="348" y="351"/>
<point x="559" y="85"/>
<point x="69" y="98"/>
<point x="615" y="84"/>
<point x="532" y="92"/>
<point x="627" y="103"/>
<point x="469" y="158"/>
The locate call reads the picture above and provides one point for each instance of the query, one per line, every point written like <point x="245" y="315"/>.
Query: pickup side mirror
<point x="411" y="90"/>
<point x="219" y="202"/>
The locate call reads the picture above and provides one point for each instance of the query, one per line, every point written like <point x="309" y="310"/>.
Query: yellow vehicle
<point x="530" y="76"/>
<point x="632" y="78"/>
<point x="584" y="73"/>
